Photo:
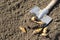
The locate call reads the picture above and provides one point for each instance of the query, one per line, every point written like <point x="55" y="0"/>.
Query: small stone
<point x="22" y="29"/>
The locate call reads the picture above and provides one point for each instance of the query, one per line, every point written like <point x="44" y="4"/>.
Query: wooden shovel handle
<point x="51" y="4"/>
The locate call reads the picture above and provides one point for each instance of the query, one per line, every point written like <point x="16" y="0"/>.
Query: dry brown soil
<point x="15" y="13"/>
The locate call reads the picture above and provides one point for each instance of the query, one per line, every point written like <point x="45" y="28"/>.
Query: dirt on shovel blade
<point x="15" y="13"/>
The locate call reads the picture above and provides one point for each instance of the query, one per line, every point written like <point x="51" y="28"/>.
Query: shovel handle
<point x="51" y="4"/>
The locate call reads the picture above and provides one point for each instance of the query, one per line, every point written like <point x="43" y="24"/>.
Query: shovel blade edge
<point x="46" y="19"/>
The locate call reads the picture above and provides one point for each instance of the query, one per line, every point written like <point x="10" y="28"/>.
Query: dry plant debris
<point x="40" y="22"/>
<point x="44" y="31"/>
<point x="44" y="34"/>
<point x="37" y="30"/>
<point x="34" y="20"/>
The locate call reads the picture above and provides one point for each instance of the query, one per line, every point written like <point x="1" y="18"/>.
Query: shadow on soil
<point x="57" y="36"/>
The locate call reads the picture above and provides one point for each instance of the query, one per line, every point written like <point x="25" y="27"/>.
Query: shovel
<point x="42" y="14"/>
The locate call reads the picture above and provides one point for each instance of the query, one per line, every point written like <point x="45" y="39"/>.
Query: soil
<point x="15" y="13"/>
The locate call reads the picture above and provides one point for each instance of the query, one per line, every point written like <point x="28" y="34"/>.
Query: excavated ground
<point x="15" y="13"/>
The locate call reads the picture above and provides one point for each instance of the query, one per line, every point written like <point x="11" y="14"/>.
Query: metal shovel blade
<point x="35" y="10"/>
<point x="46" y="19"/>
